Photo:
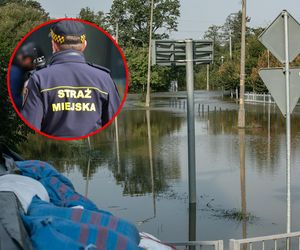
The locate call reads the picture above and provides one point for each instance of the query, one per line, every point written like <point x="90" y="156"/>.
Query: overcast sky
<point x="196" y="15"/>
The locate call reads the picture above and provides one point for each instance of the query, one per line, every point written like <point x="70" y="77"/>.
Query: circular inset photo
<point x="67" y="79"/>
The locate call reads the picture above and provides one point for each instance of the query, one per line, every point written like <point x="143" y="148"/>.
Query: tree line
<point x="130" y="19"/>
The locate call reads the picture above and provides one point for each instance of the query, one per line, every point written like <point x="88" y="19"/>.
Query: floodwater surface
<point x="142" y="174"/>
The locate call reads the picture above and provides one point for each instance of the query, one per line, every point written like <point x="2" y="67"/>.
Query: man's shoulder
<point x="87" y="68"/>
<point x="98" y="67"/>
<point x="40" y="72"/>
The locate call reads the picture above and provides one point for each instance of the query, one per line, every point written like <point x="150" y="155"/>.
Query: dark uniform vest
<point x="70" y="98"/>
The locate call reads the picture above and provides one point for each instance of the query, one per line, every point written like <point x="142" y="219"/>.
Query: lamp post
<point x="147" y="104"/>
<point x="230" y="45"/>
<point x="137" y="39"/>
<point x="230" y="35"/>
<point x="241" y="117"/>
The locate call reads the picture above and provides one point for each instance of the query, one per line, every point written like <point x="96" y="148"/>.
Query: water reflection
<point x="124" y="157"/>
<point x="138" y="168"/>
<point x="138" y="139"/>
<point x="132" y="144"/>
<point x="266" y="129"/>
<point x="87" y="179"/>
<point x="243" y="183"/>
<point x="192" y="224"/>
<point x="151" y="161"/>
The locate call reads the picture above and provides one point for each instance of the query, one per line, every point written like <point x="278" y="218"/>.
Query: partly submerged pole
<point x="190" y="119"/>
<point x="288" y="121"/>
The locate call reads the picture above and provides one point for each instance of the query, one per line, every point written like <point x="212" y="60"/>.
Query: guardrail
<point x="216" y="245"/>
<point x="276" y="242"/>
<point x="258" y="98"/>
<point x="267" y="242"/>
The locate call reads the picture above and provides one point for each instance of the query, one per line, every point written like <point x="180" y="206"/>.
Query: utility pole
<point x="147" y="104"/>
<point x="241" y="117"/>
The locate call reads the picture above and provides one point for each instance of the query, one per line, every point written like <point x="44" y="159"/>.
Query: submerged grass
<point x="230" y="214"/>
<point x="235" y="214"/>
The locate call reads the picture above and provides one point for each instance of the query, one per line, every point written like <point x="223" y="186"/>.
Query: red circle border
<point x="125" y="92"/>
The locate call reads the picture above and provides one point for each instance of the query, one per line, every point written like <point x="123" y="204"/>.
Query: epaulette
<point x="99" y="67"/>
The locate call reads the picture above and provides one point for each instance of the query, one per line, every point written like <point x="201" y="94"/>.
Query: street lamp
<point x="137" y="39"/>
<point x="230" y="33"/>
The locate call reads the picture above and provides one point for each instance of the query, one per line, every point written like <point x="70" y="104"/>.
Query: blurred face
<point x="26" y="62"/>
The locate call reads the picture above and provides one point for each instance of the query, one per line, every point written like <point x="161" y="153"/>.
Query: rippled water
<point x="152" y="192"/>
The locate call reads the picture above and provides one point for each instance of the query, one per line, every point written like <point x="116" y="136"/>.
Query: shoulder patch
<point x="99" y="67"/>
<point x="25" y="94"/>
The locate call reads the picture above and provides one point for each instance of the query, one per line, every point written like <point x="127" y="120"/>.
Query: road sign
<point x="274" y="79"/>
<point x="187" y="53"/>
<point x="282" y="39"/>
<point x="273" y="38"/>
<point x="173" y="52"/>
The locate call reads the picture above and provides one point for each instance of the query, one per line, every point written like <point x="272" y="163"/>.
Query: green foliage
<point x="133" y="17"/>
<point x="225" y="72"/>
<point x="138" y="66"/>
<point x="229" y="75"/>
<point x="94" y="17"/>
<point x="16" y="19"/>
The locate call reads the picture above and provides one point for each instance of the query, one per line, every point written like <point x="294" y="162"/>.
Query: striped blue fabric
<point x="57" y="226"/>
<point x="103" y="219"/>
<point x="49" y="232"/>
<point x="60" y="189"/>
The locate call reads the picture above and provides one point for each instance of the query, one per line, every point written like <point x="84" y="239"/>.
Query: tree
<point x="133" y="18"/>
<point x="26" y="3"/>
<point x="160" y="76"/>
<point x="94" y="17"/>
<point x="29" y="14"/>
<point x="213" y="34"/>
<point x="226" y="74"/>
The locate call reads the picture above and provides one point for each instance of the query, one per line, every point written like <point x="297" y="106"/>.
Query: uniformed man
<point x="69" y="97"/>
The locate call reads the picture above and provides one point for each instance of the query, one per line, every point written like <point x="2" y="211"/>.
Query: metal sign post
<point x="288" y="121"/>
<point x="191" y="119"/>
<point x="185" y="53"/>
<point x="282" y="39"/>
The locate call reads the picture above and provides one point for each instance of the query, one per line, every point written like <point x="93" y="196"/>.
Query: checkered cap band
<point x="57" y="38"/>
<point x="61" y="39"/>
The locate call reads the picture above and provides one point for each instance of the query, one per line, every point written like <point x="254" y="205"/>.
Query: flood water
<point x="144" y="177"/>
